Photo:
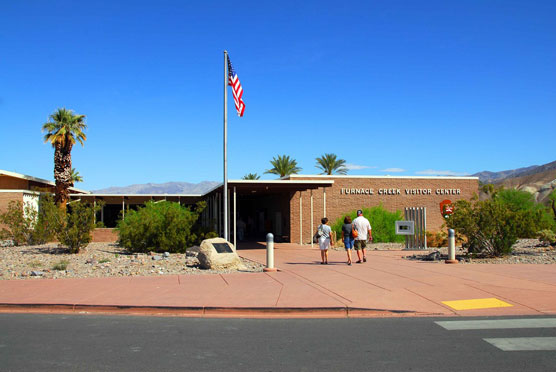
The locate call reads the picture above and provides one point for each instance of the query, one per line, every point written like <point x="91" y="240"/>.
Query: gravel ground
<point x="98" y="260"/>
<point x="526" y="251"/>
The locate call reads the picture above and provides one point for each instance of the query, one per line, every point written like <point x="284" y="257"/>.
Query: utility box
<point x="405" y="228"/>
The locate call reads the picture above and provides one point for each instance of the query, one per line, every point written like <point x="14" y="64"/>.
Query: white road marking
<point x="523" y="343"/>
<point x="459" y="325"/>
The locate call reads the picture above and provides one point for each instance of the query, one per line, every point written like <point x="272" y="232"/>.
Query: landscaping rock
<point x="210" y="258"/>
<point x="18" y="262"/>
<point x="37" y="273"/>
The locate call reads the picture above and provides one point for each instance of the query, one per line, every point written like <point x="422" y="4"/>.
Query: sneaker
<point x="364" y="259"/>
<point x="358" y="261"/>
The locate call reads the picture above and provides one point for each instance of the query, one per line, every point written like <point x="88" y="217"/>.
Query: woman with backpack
<point x="347" y="237"/>
<point x="324" y="233"/>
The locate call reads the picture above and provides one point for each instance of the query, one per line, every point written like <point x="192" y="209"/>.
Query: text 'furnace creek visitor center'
<point x="291" y="207"/>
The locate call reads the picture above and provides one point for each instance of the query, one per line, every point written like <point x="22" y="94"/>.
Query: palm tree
<point x="251" y="176"/>
<point x="63" y="130"/>
<point x="75" y="177"/>
<point x="329" y="164"/>
<point x="283" y="166"/>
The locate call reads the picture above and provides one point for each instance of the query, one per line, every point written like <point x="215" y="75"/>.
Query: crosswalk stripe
<point x="453" y="325"/>
<point x="523" y="343"/>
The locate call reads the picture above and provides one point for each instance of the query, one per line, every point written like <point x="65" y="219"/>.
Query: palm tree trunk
<point x="62" y="174"/>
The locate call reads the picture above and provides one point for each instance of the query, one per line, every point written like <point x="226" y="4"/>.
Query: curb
<point x="211" y="311"/>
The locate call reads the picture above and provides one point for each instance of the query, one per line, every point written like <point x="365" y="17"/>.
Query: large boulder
<point x="218" y="253"/>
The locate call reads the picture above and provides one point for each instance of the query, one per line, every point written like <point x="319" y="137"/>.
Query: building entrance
<point x="257" y="215"/>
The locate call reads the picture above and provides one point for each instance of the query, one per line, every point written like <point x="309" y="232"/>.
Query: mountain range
<point x="539" y="180"/>
<point x="497" y="177"/>
<point x="161" y="188"/>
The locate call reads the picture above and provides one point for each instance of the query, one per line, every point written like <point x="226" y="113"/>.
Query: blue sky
<point x="393" y="87"/>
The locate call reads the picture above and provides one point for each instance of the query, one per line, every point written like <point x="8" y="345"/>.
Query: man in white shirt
<point x="363" y="228"/>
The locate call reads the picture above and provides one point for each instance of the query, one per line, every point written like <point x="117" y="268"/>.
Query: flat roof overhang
<point x="137" y="198"/>
<point x="271" y="186"/>
<point x="241" y="186"/>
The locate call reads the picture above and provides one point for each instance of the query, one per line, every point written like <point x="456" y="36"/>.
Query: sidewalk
<point x="386" y="285"/>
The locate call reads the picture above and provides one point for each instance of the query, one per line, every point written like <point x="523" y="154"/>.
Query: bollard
<point x="451" y="247"/>
<point x="269" y="253"/>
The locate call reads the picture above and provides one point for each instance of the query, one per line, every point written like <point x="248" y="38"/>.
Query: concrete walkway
<point x="386" y="285"/>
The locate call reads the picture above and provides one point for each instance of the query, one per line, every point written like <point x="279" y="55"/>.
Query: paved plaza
<point x="386" y="285"/>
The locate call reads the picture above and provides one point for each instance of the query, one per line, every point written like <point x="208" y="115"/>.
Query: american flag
<point x="233" y="81"/>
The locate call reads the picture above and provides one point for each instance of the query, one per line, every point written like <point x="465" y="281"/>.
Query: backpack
<point x="318" y="234"/>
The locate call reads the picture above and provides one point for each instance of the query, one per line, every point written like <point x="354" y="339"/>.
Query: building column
<point x="300" y="219"/>
<point x="235" y="217"/>
<point x="123" y="207"/>
<point x="228" y="212"/>
<point x="312" y="228"/>
<point x="324" y="201"/>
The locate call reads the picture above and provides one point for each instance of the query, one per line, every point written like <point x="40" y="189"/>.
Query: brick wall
<point x="393" y="193"/>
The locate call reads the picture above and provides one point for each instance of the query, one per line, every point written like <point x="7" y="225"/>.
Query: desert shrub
<point x="547" y="237"/>
<point x="76" y="227"/>
<point x="19" y="221"/>
<point x="24" y="225"/>
<point x="530" y="216"/>
<point x="161" y="227"/>
<point x="437" y="239"/>
<point x="489" y="227"/>
<point x="61" y="265"/>
<point x="49" y="220"/>
<point x="383" y="224"/>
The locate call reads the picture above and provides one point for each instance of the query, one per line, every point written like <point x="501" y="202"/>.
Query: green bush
<point x="530" y="216"/>
<point x="161" y="227"/>
<point x="24" y="225"/>
<point x="61" y="265"/>
<point x="19" y="221"/>
<point x="76" y="228"/>
<point x="49" y="220"/>
<point x="383" y="224"/>
<point x="547" y="237"/>
<point x="489" y="226"/>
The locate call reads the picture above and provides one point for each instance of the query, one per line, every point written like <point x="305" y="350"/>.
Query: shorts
<point x="360" y="244"/>
<point x="348" y="242"/>
<point x="324" y="243"/>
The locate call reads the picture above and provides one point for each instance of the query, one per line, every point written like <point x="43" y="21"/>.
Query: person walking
<point x="362" y="226"/>
<point x="324" y="233"/>
<point x="347" y="237"/>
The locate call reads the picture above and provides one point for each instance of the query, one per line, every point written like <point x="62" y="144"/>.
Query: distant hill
<point x="539" y="180"/>
<point x="161" y="188"/>
<point x="492" y="177"/>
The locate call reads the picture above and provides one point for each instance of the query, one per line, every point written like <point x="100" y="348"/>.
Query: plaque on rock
<point x="218" y="253"/>
<point x="223" y="248"/>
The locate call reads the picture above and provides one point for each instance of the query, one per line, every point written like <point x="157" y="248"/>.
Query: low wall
<point x="105" y="235"/>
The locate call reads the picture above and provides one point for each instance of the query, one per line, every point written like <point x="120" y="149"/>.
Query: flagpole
<point x="225" y="190"/>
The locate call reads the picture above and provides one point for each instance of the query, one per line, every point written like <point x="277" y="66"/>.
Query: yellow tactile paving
<point x="478" y="303"/>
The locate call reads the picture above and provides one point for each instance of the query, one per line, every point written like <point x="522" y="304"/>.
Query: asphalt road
<point x="32" y="342"/>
